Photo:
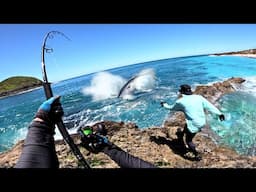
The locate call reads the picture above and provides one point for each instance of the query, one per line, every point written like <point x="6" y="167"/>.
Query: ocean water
<point x="91" y="98"/>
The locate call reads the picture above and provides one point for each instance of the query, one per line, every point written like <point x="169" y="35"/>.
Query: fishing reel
<point x="93" y="138"/>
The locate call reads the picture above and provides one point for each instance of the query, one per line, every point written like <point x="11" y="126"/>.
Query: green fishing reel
<point x="94" y="140"/>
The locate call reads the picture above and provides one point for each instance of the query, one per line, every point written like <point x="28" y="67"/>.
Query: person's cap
<point x="185" y="89"/>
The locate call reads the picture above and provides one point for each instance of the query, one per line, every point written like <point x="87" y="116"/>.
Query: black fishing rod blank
<point x="48" y="93"/>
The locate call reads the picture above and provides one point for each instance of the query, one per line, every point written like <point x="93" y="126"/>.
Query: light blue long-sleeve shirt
<point x="193" y="107"/>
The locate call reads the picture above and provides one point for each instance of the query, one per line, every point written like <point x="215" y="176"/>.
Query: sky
<point x="97" y="47"/>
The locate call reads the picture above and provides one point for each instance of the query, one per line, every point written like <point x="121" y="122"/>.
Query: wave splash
<point x="105" y="85"/>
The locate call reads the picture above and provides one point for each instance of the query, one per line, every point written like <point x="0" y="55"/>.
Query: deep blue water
<point x="81" y="106"/>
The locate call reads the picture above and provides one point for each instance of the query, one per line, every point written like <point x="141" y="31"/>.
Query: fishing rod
<point x="48" y="93"/>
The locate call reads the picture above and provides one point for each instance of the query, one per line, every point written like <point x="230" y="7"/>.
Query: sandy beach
<point x="245" y="55"/>
<point x="238" y="54"/>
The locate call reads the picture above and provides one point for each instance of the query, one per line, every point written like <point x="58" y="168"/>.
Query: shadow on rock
<point x="176" y="145"/>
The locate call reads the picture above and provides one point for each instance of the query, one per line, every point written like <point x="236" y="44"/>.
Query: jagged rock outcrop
<point x="216" y="90"/>
<point x="156" y="145"/>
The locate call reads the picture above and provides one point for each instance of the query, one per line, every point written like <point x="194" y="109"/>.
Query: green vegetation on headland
<point x="17" y="84"/>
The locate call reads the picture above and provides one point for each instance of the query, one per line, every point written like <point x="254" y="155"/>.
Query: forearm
<point x="125" y="160"/>
<point x="210" y="107"/>
<point x="39" y="148"/>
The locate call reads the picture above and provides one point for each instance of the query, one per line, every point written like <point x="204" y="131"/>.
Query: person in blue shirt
<point x="193" y="107"/>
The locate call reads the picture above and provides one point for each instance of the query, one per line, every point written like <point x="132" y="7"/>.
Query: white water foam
<point x="146" y="80"/>
<point x="105" y="85"/>
<point x="249" y="86"/>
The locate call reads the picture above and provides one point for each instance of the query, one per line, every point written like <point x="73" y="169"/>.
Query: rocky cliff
<point x="156" y="145"/>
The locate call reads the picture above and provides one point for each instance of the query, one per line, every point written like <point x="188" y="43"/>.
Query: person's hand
<point x="92" y="140"/>
<point x="50" y="110"/>
<point x="222" y="117"/>
<point x="162" y="103"/>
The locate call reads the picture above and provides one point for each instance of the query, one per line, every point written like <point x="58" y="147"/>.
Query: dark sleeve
<point x="39" y="148"/>
<point x="124" y="159"/>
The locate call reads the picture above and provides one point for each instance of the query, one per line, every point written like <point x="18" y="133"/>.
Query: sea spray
<point x="146" y="80"/>
<point x="104" y="85"/>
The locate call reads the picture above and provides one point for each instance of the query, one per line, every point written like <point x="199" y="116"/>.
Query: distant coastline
<point x="251" y="53"/>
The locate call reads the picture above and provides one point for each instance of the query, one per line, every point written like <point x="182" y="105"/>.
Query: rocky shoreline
<point x="158" y="145"/>
<point x="19" y="91"/>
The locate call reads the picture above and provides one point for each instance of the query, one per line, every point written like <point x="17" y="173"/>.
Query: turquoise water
<point x="81" y="106"/>
<point x="238" y="131"/>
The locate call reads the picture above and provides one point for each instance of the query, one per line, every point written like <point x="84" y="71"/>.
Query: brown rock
<point x="216" y="90"/>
